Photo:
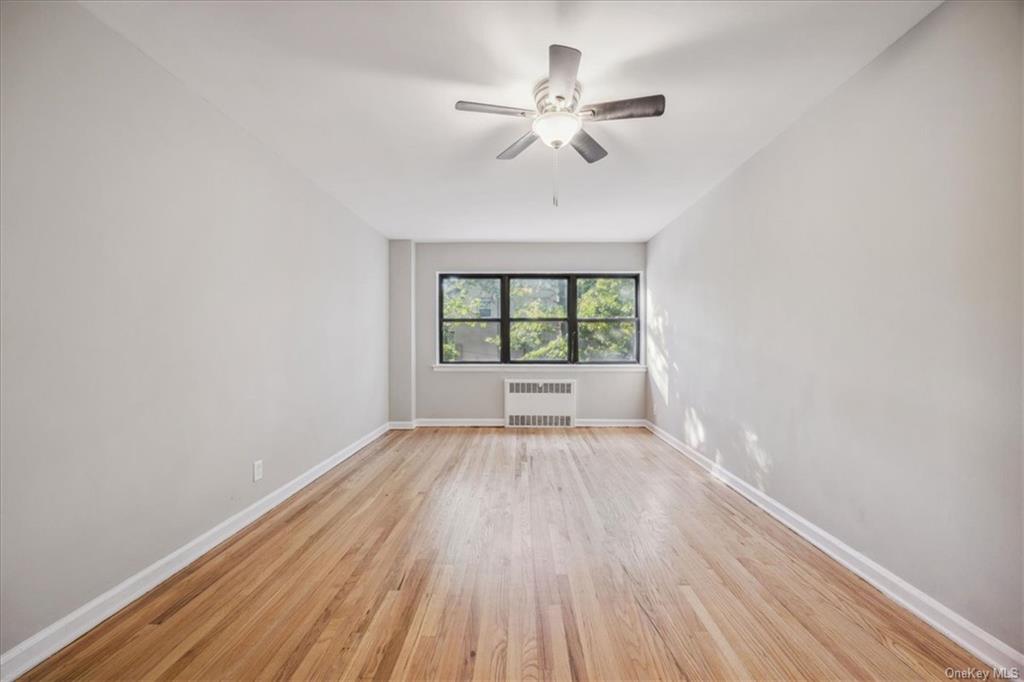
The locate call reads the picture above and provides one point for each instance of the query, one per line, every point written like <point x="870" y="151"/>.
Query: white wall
<point x="445" y="394"/>
<point x="176" y="303"/>
<point x="839" y="322"/>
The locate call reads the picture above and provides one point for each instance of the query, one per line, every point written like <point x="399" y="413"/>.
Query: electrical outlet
<point x="257" y="470"/>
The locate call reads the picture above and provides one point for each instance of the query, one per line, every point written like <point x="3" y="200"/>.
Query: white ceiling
<point x="360" y="97"/>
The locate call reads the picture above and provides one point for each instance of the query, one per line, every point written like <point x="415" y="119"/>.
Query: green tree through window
<point x="471" y="314"/>
<point x="606" y="310"/>
<point x="539" y="319"/>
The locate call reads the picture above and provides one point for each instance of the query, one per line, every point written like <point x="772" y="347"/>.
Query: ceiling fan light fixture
<point x="557" y="128"/>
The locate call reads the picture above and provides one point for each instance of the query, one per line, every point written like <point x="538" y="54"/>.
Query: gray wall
<point x="839" y="322"/>
<point x="444" y="394"/>
<point x="401" y="363"/>
<point x="176" y="303"/>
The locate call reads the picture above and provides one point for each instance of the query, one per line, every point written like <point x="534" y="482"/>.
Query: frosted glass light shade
<point x="556" y="128"/>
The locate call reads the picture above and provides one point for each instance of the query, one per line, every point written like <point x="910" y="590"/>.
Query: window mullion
<point x="573" y="323"/>
<point x="505" y="325"/>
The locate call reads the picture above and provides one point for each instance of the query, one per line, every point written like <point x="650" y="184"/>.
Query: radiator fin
<point x="559" y="387"/>
<point x="540" y="420"/>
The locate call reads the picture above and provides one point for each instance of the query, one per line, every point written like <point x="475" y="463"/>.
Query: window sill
<point x="539" y="368"/>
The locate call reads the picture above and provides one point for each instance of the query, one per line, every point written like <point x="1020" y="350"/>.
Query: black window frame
<point x="505" y="320"/>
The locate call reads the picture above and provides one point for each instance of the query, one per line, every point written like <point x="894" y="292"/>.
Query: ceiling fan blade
<point x="518" y="146"/>
<point x="563" y="65"/>
<point x="482" y="108"/>
<point x="638" y="107"/>
<point x="588" y="147"/>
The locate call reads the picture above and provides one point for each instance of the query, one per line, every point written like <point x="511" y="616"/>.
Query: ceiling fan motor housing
<point x="546" y="103"/>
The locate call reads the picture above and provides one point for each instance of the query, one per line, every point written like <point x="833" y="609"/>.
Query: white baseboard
<point x="985" y="646"/>
<point x="56" y="636"/>
<point x="641" y="423"/>
<point x="401" y="426"/>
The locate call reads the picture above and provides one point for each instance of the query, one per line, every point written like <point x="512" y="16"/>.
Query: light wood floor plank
<point x="489" y="554"/>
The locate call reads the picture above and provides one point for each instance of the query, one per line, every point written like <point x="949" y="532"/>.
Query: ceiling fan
<point x="559" y="116"/>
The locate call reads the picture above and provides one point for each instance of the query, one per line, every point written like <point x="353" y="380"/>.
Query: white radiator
<point x="533" y="403"/>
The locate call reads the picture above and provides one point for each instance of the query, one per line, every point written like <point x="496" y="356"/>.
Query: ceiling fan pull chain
<point x="554" y="180"/>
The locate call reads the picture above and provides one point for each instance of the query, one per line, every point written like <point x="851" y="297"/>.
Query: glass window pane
<point x="605" y="297"/>
<point x="607" y="341"/>
<point x="539" y="341"/>
<point x="530" y="297"/>
<point x="468" y="297"/>
<point x="471" y="342"/>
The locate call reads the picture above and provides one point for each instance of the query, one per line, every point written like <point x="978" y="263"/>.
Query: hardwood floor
<point x="449" y="554"/>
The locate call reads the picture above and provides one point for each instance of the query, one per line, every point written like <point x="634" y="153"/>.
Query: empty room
<point x="412" y="340"/>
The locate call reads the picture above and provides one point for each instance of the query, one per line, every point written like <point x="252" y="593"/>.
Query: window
<point x="607" y="318"/>
<point x="551" y="319"/>
<point x="538" y="328"/>
<point x="471" y="319"/>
